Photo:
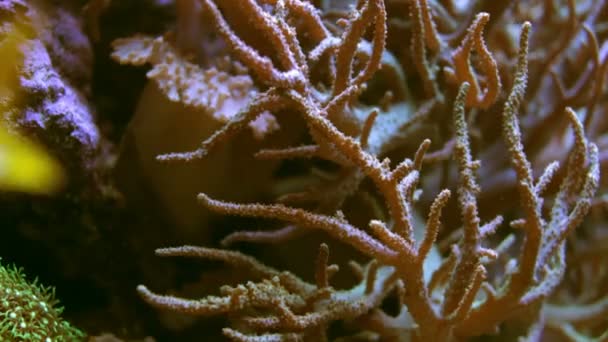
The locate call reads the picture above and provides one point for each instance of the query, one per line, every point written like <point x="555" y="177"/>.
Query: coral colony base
<point x="391" y="170"/>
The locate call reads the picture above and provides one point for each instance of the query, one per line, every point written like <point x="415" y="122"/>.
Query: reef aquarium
<point x="303" y="170"/>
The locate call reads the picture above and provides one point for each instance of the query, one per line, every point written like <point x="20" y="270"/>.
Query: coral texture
<point x="467" y="113"/>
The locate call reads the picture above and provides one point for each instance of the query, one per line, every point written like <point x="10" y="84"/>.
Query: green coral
<point x="29" y="311"/>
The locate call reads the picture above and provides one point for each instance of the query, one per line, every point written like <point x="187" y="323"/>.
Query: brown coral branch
<point x="261" y="65"/>
<point x="262" y="103"/>
<point x="433" y="223"/>
<point x="464" y="72"/>
<point x="334" y="226"/>
<point x="468" y="273"/>
<point x="371" y="11"/>
<point x="421" y="39"/>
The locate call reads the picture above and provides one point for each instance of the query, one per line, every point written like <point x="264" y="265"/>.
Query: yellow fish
<point x="24" y="166"/>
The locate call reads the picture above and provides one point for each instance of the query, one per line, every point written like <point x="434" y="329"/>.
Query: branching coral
<point x="363" y="115"/>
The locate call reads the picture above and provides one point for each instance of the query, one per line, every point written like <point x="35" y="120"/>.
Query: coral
<point x="48" y="102"/>
<point x="481" y="104"/>
<point x="203" y="92"/>
<point x="30" y="311"/>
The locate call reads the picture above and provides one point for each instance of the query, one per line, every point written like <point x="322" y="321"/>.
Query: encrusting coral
<point x="367" y="102"/>
<point x="47" y="87"/>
